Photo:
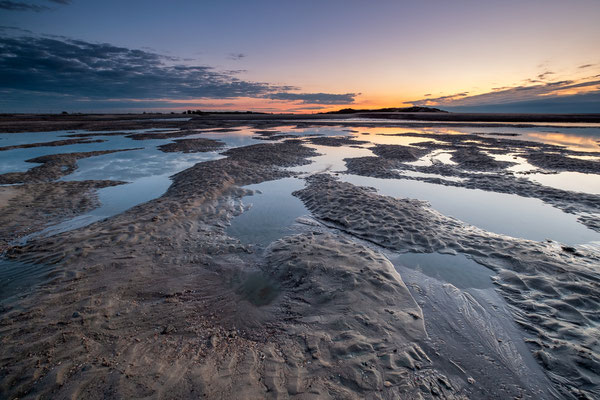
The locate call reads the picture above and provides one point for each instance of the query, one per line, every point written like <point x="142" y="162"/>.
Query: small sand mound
<point x="349" y="309"/>
<point x="400" y="153"/>
<point x="335" y="141"/>
<point x="285" y="154"/>
<point x="197" y="145"/>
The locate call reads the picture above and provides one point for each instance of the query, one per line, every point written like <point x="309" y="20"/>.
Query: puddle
<point x="457" y="270"/>
<point x="135" y="164"/>
<point x="436" y="156"/>
<point x="258" y="289"/>
<point x="507" y="214"/>
<point x="331" y="158"/>
<point x="416" y="174"/>
<point x="573" y="181"/>
<point x="147" y="170"/>
<point x="272" y="212"/>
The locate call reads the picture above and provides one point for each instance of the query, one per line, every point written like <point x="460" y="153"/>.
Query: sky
<point x="299" y="56"/>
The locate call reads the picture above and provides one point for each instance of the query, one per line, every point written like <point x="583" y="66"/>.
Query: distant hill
<point x="387" y="110"/>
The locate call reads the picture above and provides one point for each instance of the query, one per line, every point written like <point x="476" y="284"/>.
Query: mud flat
<point x="138" y="294"/>
<point x="160" y="301"/>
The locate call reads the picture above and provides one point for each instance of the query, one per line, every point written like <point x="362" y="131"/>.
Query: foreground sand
<point x="160" y="302"/>
<point x="133" y="307"/>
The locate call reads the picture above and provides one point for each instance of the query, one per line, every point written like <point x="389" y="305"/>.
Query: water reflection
<point x="457" y="270"/>
<point x="573" y="181"/>
<point x="273" y="210"/>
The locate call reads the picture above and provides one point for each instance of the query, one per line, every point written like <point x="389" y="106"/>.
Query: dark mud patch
<point x="197" y="145"/>
<point x="334" y="141"/>
<point x="399" y="153"/>
<point x="562" y="162"/>
<point x="473" y="159"/>
<point x="258" y="289"/>
<point x="285" y="154"/>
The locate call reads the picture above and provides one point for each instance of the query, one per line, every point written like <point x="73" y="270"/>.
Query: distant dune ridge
<point x="388" y="109"/>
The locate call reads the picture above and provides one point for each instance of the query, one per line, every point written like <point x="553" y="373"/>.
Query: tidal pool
<point x="273" y="210"/>
<point x="508" y="214"/>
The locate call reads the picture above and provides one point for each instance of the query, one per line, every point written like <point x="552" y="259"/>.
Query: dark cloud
<point x="10" y="5"/>
<point x="103" y="71"/>
<point x="236" y="56"/>
<point x="440" y="99"/>
<point x="20" y="6"/>
<point x="586" y="66"/>
<point x="314" y="98"/>
<point x="544" y="75"/>
<point x="86" y="75"/>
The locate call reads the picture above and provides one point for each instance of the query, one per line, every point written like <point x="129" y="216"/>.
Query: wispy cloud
<point x="236" y="56"/>
<point x="314" y="98"/>
<point x="544" y="75"/>
<point x="504" y="95"/>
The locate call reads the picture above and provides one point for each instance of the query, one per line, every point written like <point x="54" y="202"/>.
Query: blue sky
<point x="308" y="55"/>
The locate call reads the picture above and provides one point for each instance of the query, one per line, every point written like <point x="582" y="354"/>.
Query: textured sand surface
<point x="31" y="207"/>
<point x="159" y="302"/>
<point x="555" y="293"/>
<point x="6" y="194"/>
<point x="192" y="145"/>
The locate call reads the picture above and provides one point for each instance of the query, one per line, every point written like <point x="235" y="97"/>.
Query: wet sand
<point x="159" y="301"/>
<point x="6" y="194"/>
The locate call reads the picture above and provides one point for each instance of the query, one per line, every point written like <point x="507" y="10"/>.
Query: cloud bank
<point x="315" y="98"/>
<point x="76" y="69"/>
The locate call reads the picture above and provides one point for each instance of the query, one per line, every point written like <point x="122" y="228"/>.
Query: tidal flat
<point x="285" y="257"/>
